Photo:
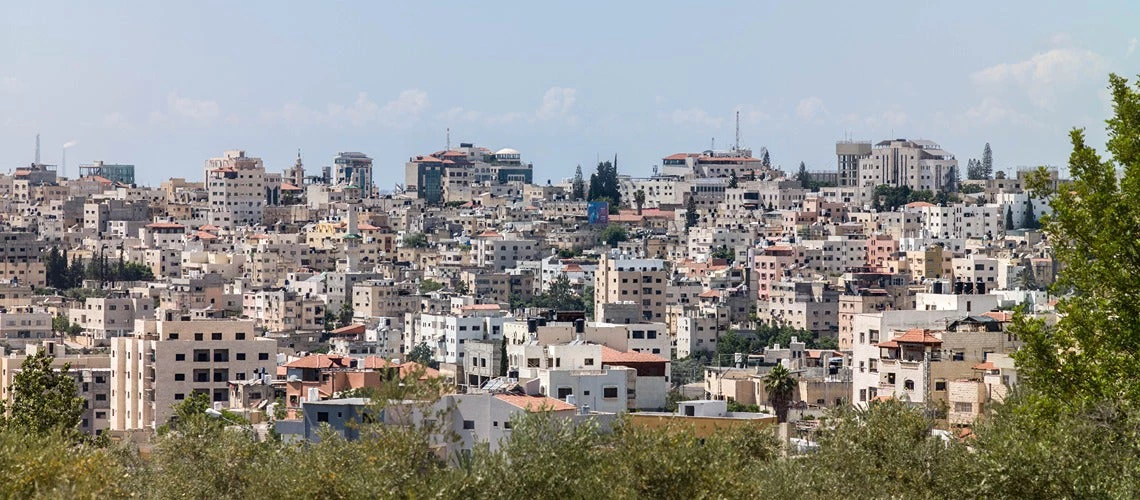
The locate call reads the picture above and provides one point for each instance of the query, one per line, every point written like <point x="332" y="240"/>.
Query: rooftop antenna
<point x="737" y="146"/>
<point x="448" y="139"/>
<point x="37" y="149"/>
<point x="712" y="144"/>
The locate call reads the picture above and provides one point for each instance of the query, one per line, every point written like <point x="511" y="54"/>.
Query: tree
<point x="987" y="164"/>
<point x="422" y="354"/>
<point x="639" y="200"/>
<point x="43" y="400"/>
<point x="578" y="185"/>
<point x="1088" y="358"/>
<point x="765" y="159"/>
<point x="803" y="177"/>
<point x="1008" y="218"/>
<point x="429" y="286"/>
<point x="614" y="234"/>
<point x="723" y="252"/>
<point x="780" y="386"/>
<point x="691" y="216"/>
<point x="1026" y="280"/>
<point x="733" y="182"/>
<point x="462" y="288"/>
<point x="416" y="240"/>
<point x="604" y="185"/>
<point x="344" y="318"/>
<point x="1031" y="221"/>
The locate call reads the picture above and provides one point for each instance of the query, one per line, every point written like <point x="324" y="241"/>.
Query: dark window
<point x="173" y="336"/>
<point x="240" y="356"/>
<point x="198" y="336"/>
<point x="564" y="391"/>
<point x="262" y="356"/>
<point x="216" y="336"/>
<point x="240" y="335"/>
<point x="468" y="424"/>
<point x="221" y="355"/>
<point x="179" y="376"/>
<point x="609" y="392"/>
<point x="179" y="397"/>
<point x="180" y="357"/>
<point x="201" y="355"/>
<point x="322" y="416"/>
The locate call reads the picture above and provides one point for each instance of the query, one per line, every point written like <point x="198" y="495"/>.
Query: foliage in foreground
<point x="886" y="451"/>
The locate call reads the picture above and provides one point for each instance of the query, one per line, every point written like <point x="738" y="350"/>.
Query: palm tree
<point x="780" y="386"/>
<point x="639" y="199"/>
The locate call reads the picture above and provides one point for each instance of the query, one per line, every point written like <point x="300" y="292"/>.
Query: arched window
<point x="908" y="385"/>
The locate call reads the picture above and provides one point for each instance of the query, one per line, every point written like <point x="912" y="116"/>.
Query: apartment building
<point x="918" y="164"/>
<point x="177" y="355"/>
<point x="623" y="279"/>
<point x="235" y="184"/>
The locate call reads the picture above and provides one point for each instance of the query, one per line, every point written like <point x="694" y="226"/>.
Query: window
<point x="468" y="425"/>
<point x="240" y="335"/>
<point x="891" y="378"/>
<point x="963" y="407"/>
<point x="908" y="385"/>
<point x="198" y="337"/>
<point x="180" y="357"/>
<point x="179" y="376"/>
<point x="216" y="336"/>
<point x="201" y="355"/>
<point x="610" y="392"/>
<point x="322" y="416"/>
<point x="240" y="356"/>
<point x="221" y="355"/>
<point x="100" y="397"/>
<point x="940" y="385"/>
<point x="262" y="356"/>
<point x="563" y="392"/>
<point x="173" y="336"/>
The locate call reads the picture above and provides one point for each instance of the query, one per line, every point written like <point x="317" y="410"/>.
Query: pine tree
<point x="1031" y="221"/>
<point x="987" y="164"/>
<point x="578" y="185"/>
<point x="802" y="176"/>
<point x="733" y="182"/>
<point x="691" y="217"/>
<point x="1008" y="218"/>
<point x="765" y="159"/>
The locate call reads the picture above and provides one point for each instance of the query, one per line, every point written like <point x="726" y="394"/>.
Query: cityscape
<point x="495" y="313"/>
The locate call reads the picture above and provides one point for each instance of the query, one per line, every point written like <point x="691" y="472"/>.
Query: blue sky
<point x="165" y="85"/>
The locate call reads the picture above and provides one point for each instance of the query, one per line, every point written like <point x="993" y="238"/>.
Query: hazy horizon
<point x="166" y="86"/>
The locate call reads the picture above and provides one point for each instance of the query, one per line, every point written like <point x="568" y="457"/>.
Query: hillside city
<point x="286" y="296"/>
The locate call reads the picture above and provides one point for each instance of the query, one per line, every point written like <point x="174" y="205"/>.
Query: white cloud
<point x="557" y="102"/>
<point x="810" y="108"/>
<point x="752" y="114"/>
<point x="1131" y="47"/>
<point x="401" y="112"/>
<point x="11" y="85"/>
<point x="117" y="121"/>
<point x="1044" y="75"/>
<point x="693" y="117"/>
<point x="200" y="111"/>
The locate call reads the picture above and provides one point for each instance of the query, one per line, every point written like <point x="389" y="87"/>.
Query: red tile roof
<point x="321" y="361"/>
<point x="165" y="225"/>
<point x="376" y="362"/>
<point x="355" y="329"/>
<point x="411" y="367"/>
<point x="919" y="204"/>
<point x="988" y="365"/>
<point x="202" y="235"/>
<point x="535" y="403"/>
<point x="288" y="186"/>
<point x="610" y="355"/>
<point x="480" y="307"/>
<point x="918" y="336"/>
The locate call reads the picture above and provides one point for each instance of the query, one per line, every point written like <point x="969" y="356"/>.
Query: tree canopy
<point x="43" y="400"/>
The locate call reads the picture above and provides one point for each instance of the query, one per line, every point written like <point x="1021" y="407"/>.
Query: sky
<point x="166" y="85"/>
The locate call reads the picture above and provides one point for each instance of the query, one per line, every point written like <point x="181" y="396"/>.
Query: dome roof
<point x="506" y="151"/>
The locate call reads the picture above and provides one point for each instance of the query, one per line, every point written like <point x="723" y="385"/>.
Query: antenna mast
<point x="37" y="149"/>
<point x="448" y="139"/>
<point x="737" y="147"/>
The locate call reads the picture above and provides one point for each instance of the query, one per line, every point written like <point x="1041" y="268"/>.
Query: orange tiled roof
<point x="376" y="362"/>
<point x="535" y="403"/>
<point x="988" y="365"/>
<point x="320" y="361"/>
<point x="165" y="225"/>
<point x="202" y="235"/>
<point x="918" y="336"/>
<point x="480" y="307"/>
<point x="611" y="355"/>
<point x="355" y="329"/>
<point x="410" y="367"/>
